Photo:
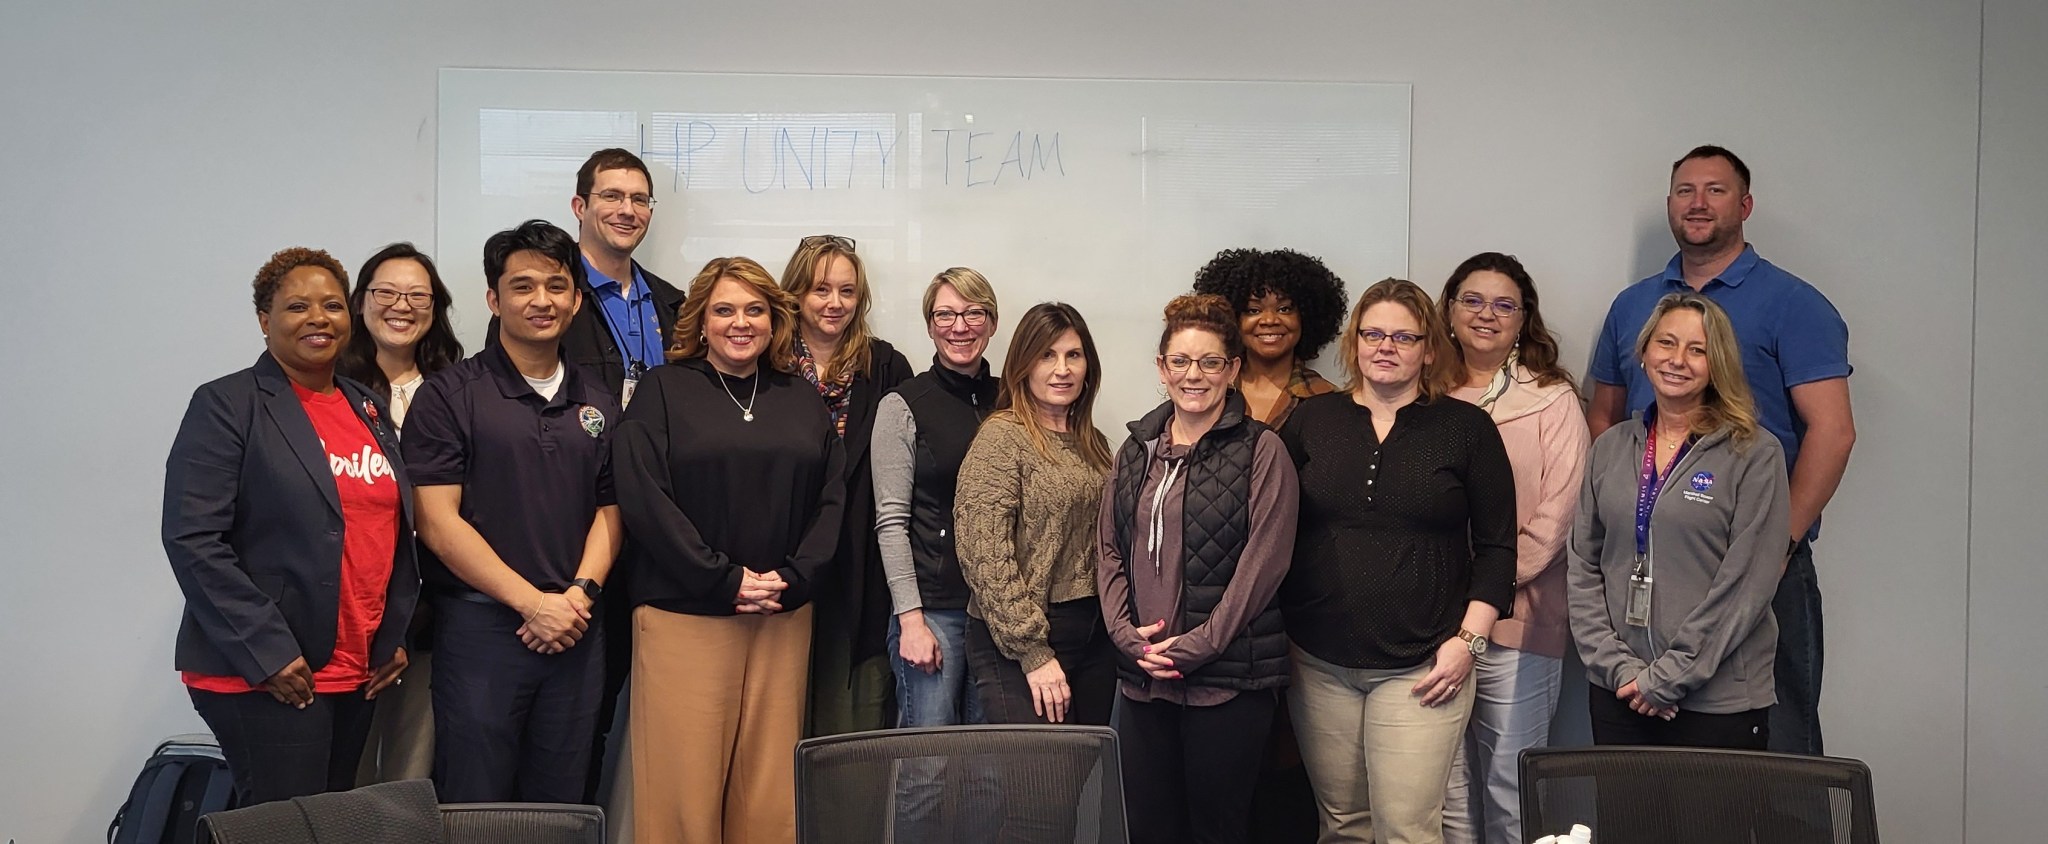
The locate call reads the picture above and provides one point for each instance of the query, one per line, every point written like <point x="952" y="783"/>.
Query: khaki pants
<point x="717" y="706"/>
<point x="1378" y="759"/>
<point x="401" y="743"/>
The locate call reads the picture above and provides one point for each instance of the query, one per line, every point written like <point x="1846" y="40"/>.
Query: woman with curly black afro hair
<point x="1289" y="306"/>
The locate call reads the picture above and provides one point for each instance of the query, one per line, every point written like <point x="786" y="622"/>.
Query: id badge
<point x="632" y="380"/>
<point x="1639" y="600"/>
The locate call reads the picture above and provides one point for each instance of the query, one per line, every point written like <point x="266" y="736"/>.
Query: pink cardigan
<point x="1545" y="432"/>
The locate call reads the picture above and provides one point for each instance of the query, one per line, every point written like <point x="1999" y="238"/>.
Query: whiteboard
<point x="1107" y="194"/>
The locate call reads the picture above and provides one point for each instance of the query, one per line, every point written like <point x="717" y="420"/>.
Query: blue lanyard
<point x="1648" y="487"/>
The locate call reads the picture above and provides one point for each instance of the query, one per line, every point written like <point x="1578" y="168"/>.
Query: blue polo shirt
<point x="533" y="471"/>
<point x="1790" y="335"/>
<point x="630" y="318"/>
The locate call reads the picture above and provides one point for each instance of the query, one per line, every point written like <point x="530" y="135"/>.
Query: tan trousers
<point x="716" y="710"/>
<point x="401" y="745"/>
<point x="1378" y="759"/>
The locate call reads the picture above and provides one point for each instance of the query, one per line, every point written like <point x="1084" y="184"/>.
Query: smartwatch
<point x="590" y="588"/>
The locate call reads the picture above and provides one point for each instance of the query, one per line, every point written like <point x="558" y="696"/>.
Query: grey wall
<point x="2008" y="679"/>
<point x="155" y="154"/>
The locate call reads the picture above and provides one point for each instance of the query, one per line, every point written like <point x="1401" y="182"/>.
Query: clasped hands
<point x="760" y="592"/>
<point x="556" y="622"/>
<point x="1152" y="660"/>
<point x="292" y="685"/>
<point x="1633" y="696"/>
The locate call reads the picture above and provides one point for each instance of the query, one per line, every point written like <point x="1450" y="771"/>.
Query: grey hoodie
<point x="1716" y="550"/>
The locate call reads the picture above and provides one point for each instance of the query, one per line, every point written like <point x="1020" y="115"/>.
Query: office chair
<point x="1670" y="795"/>
<point x="1040" y="783"/>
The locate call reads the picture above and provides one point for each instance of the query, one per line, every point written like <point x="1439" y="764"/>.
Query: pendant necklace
<point x="746" y="410"/>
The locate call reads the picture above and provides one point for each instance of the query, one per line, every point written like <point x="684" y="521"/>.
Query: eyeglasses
<point x="975" y="317"/>
<point x="1502" y="308"/>
<point x="838" y="240"/>
<point x="387" y="297"/>
<point x="614" y="197"/>
<point x="1402" y="339"/>
<point x="1210" y="365"/>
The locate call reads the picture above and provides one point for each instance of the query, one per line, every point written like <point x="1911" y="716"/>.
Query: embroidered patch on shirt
<point x="592" y="419"/>
<point x="1700" y="483"/>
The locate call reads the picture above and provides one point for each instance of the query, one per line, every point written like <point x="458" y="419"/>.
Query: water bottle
<point x="1580" y="834"/>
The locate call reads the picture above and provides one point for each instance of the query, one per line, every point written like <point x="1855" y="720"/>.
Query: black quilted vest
<point x="948" y="408"/>
<point x="1215" y="524"/>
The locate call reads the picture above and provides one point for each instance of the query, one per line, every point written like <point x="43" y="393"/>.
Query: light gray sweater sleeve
<point x="1739" y="594"/>
<point x="892" y="455"/>
<point x="1609" y="662"/>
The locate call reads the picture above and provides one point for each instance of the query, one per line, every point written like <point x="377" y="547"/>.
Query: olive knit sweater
<point x="1026" y="533"/>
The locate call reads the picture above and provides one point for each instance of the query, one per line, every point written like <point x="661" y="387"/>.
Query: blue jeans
<point x="1515" y="696"/>
<point x="1795" y="720"/>
<point x="940" y="699"/>
<point x="946" y="697"/>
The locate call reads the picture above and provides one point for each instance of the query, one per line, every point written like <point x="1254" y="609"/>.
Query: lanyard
<point x="635" y="367"/>
<point x="1648" y="487"/>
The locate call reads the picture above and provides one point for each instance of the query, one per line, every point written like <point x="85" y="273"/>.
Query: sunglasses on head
<point x="840" y="241"/>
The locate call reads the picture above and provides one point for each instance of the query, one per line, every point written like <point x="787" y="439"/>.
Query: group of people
<point x="735" y="501"/>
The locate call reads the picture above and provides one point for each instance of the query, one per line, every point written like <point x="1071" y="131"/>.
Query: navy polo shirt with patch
<point x="533" y="471"/>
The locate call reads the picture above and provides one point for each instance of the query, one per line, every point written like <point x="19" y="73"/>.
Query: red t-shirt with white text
<point x="369" y="514"/>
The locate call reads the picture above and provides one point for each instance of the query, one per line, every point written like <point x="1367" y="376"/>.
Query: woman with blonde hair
<point x="1403" y="560"/>
<point x="1509" y="369"/>
<point x="731" y="482"/>
<point x="1678" y="547"/>
<point x="834" y="349"/>
<point x="922" y="433"/>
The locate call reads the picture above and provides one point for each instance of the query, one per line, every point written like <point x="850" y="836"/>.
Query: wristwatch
<point x="590" y="588"/>
<point x="1473" y="641"/>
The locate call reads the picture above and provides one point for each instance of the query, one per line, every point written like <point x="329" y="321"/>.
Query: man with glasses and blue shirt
<point x="1795" y="354"/>
<point x="626" y="334"/>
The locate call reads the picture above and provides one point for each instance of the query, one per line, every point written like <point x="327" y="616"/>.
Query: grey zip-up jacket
<point x="1716" y="550"/>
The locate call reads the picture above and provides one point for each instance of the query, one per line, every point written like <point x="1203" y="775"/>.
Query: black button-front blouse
<point x="1396" y="538"/>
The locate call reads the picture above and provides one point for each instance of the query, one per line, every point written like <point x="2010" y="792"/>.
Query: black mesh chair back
<point x="522" y="823"/>
<point x="1673" y="795"/>
<point x="971" y="784"/>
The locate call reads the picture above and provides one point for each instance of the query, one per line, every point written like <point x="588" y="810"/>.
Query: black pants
<point x="1189" y="771"/>
<point x="1041" y="805"/>
<point x="1630" y="809"/>
<point x="276" y="751"/>
<point x="617" y="617"/>
<point x="511" y="724"/>
<point x="1615" y="723"/>
<point x="1083" y="649"/>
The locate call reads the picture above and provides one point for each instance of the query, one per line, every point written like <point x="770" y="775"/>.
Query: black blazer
<point x="252" y="526"/>
<point x="588" y="343"/>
